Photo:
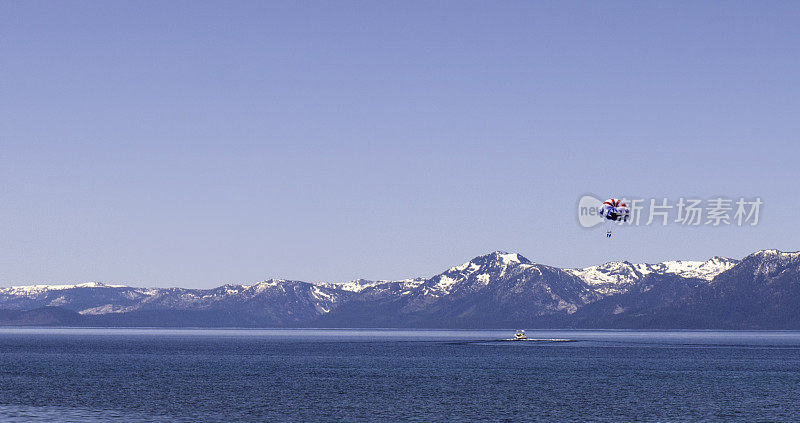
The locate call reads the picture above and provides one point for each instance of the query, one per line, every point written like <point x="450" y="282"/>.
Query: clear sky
<point x="188" y="143"/>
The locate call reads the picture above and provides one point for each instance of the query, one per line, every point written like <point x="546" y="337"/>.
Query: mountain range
<point x="495" y="290"/>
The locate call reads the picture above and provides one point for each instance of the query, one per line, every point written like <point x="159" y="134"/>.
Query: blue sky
<point x="199" y="143"/>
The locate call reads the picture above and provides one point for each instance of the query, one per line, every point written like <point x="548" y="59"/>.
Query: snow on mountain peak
<point x="610" y="278"/>
<point x="777" y="254"/>
<point x="266" y="284"/>
<point x="511" y="258"/>
<point x="478" y="272"/>
<point x="494" y="258"/>
<point x="33" y="289"/>
<point x="357" y="285"/>
<point x="696" y="269"/>
<point x="768" y="262"/>
<point x="616" y="277"/>
<point x="471" y="265"/>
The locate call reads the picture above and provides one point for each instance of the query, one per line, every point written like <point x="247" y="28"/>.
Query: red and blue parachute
<point x="614" y="211"/>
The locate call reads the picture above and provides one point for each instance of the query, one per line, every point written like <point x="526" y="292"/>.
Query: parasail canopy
<point x="615" y="210"/>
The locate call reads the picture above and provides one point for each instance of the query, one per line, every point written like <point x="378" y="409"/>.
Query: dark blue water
<point x="351" y="375"/>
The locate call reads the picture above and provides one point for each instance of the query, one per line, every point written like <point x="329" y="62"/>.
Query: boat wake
<point x="529" y="341"/>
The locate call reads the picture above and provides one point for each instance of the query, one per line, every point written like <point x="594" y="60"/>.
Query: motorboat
<point x="520" y="336"/>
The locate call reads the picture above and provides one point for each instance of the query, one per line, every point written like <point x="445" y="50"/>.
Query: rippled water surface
<point x="389" y="375"/>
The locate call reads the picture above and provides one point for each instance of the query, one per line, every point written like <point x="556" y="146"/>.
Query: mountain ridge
<point x="490" y="290"/>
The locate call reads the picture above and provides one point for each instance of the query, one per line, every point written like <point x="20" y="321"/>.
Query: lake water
<point x="143" y="375"/>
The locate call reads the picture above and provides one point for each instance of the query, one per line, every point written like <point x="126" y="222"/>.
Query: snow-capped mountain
<point x="359" y="285"/>
<point x="620" y="276"/>
<point x="497" y="288"/>
<point x="492" y="290"/>
<point x="762" y="291"/>
<point x="275" y="300"/>
<point x="508" y="277"/>
<point x="772" y="264"/>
